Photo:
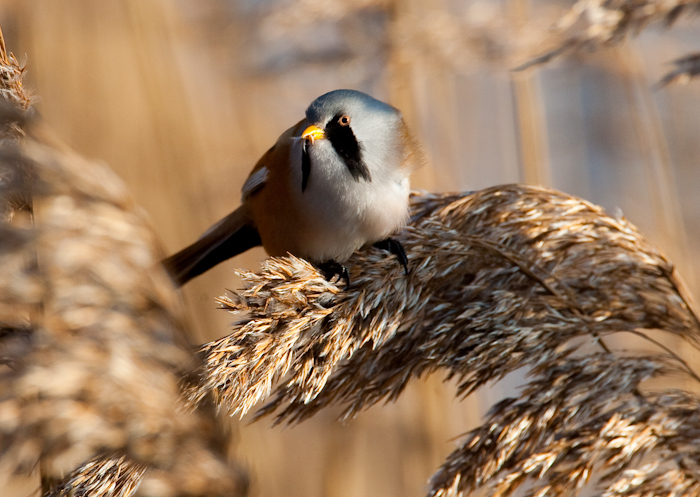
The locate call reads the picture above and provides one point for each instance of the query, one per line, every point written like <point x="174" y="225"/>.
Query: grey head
<point x="365" y="133"/>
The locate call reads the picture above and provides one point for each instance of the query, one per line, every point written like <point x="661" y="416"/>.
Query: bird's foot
<point x="331" y="269"/>
<point x="394" y="247"/>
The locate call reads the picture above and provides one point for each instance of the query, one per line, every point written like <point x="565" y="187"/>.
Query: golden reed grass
<point x="505" y="278"/>
<point x="92" y="344"/>
<point x="97" y="375"/>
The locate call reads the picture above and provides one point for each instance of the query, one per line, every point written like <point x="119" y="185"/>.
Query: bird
<point x="334" y="182"/>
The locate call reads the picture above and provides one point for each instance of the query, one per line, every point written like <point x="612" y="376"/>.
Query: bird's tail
<point x="229" y="237"/>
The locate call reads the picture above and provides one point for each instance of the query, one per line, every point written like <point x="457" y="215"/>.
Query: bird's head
<point x="350" y="129"/>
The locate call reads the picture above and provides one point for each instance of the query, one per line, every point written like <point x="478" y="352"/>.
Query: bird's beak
<point x="313" y="133"/>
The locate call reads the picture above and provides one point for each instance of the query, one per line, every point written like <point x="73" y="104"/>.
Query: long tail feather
<point x="229" y="237"/>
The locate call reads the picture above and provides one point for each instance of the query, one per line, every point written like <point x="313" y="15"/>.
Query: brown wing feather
<point x="237" y="232"/>
<point x="272" y="161"/>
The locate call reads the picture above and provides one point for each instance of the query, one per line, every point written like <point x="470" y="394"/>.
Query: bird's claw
<point x="331" y="269"/>
<point x="394" y="247"/>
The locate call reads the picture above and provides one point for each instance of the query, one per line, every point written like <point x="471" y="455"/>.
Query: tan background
<point x="182" y="97"/>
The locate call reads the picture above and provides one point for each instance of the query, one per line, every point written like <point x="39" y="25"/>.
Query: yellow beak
<point x="313" y="133"/>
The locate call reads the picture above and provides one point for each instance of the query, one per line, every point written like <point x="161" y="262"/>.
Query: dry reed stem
<point x="501" y="279"/>
<point x="300" y="12"/>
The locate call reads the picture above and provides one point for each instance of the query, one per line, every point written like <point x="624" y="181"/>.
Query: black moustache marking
<point x="346" y="146"/>
<point x="305" y="165"/>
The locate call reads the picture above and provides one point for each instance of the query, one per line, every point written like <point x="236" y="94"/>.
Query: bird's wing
<point x="255" y="181"/>
<point x="271" y="161"/>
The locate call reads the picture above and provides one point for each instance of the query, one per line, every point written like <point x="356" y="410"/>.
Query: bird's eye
<point x="344" y="120"/>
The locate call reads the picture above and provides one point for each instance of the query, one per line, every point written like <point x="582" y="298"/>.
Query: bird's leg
<point x="394" y="247"/>
<point x="331" y="269"/>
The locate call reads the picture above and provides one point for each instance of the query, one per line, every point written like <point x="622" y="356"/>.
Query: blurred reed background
<point x="181" y="98"/>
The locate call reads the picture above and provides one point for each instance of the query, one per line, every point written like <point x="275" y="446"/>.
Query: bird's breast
<point x="334" y="215"/>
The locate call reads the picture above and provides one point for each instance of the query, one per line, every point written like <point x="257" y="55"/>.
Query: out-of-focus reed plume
<point x="505" y="278"/>
<point x="116" y="477"/>
<point x="309" y="11"/>
<point x="686" y="68"/>
<point x="485" y="34"/>
<point x="92" y="339"/>
<point x="593" y="24"/>
<point x="458" y="41"/>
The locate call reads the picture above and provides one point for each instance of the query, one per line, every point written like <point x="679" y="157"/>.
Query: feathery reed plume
<point x="92" y="343"/>
<point x="11" y="73"/>
<point x="486" y="35"/>
<point x="102" y="345"/>
<point x="116" y="477"/>
<point x="501" y="279"/>
<point x="686" y="68"/>
<point x="593" y="24"/>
